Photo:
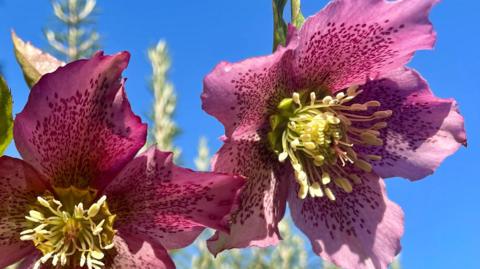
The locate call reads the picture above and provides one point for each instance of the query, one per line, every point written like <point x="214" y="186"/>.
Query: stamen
<point x="329" y="194"/>
<point x="328" y="100"/>
<point x="372" y="104"/>
<point x="318" y="160"/>
<point x="371" y="139"/>
<point x="382" y="114"/>
<point x="325" y="178"/>
<point x="303" y="191"/>
<point x="318" y="137"/>
<point x="356" y="179"/>
<point x="70" y="235"/>
<point x="313" y="98"/>
<point x="315" y="190"/>
<point x="351" y="91"/>
<point x="283" y="156"/>
<point x="344" y="184"/>
<point x="365" y="166"/>
<point x="374" y="157"/>
<point x="339" y="96"/>
<point x="379" y="125"/>
<point x="296" y="98"/>
<point x="36" y="215"/>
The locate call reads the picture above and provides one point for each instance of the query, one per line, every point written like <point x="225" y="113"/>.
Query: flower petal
<point x="170" y="204"/>
<point x="20" y="185"/>
<point x="77" y="125"/>
<point x="240" y="94"/>
<point x="361" y="229"/>
<point x="130" y="253"/>
<point x="422" y="131"/>
<point x="262" y="201"/>
<point x="29" y="261"/>
<point x="351" y="40"/>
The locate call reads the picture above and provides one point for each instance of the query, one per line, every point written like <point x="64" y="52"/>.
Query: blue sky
<point x="442" y="211"/>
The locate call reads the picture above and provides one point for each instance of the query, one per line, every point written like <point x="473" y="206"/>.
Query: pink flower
<point x="79" y="198"/>
<point x="321" y="121"/>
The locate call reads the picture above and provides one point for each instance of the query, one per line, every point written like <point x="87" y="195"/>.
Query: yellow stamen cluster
<point x="68" y="234"/>
<point x="318" y="136"/>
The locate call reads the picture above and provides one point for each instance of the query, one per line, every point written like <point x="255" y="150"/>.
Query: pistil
<point x="70" y="235"/>
<point x="318" y="137"/>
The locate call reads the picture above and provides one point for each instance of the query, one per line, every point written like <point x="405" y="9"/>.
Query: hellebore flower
<point x="321" y="121"/>
<point x="79" y="198"/>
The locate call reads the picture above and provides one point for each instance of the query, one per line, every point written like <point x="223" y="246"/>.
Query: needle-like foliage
<point x="76" y="38"/>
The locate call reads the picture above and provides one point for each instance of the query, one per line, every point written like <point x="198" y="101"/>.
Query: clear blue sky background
<point x="442" y="211"/>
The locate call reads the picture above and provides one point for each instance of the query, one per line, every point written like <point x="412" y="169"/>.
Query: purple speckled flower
<point x="321" y="121"/>
<point x="79" y="198"/>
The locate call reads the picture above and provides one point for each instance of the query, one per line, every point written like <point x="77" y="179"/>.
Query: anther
<point x="379" y="125"/>
<point x="374" y="157"/>
<point x="371" y="139"/>
<point x="355" y="178"/>
<point x="295" y="143"/>
<point x="344" y="184"/>
<point x="303" y="191"/>
<point x="36" y="215"/>
<point x="43" y="202"/>
<point x="383" y="114"/>
<point x="329" y="194"/>
<point x="315" y="190"/>
<point x="352" y="90"/>
<point x="313" y="98"/>
<point x="358" y="107"/>
<point x="282" y="156"/>
<point x="318" y="160"/>
<point x="325" y="178"/>
<point x="306" y="137"/>
<point x="340" y="95"/>
<point x="296" y="98"/>
<point x="309" y="145"/>
<point x="332" y="119"/>
<point x="372" y="104"/>
<point x="93" y="210"/>
<point x="365" y="166"/>
<point x="301" y="176"/>
<point x="327" y="100"/>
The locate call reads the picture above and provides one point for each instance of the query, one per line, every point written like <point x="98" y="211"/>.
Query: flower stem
<point x="297" y="16"/>
<point x="279" y="25"/>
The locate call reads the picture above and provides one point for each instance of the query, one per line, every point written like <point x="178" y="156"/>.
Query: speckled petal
<point x="240" y="94"/>
<point x="29" y="261"/>
<point x="20" y="185"/>
<point x="262" y="201"/>
<point x="360" y="230"/>
<point x="351" y="40"/>
<point x="130" y="253"/>
<point x="77" y="125"/>
<point x="170" y="204"/>
<point x="422" y="131"/>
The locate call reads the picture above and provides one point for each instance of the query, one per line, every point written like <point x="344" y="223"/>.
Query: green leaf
<point x="34" y="62"/>
<point x="6" y="120"/>
<point x="297" y="16"/>
<point x="279" y="26"/>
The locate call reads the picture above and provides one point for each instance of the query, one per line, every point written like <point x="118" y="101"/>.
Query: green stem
<point x="297" y="17"/>
<point x="279" y="25"/>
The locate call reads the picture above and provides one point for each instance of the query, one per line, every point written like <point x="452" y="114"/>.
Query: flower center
<point x="318" y="137"/>
<point x="67" y="233"/>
